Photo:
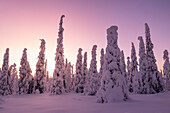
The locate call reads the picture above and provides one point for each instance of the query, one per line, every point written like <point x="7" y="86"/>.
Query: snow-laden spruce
<point x="94" y="81"/>
<point x="135" y="78"/>
<point x="112" y="82"/>
<point x="85" y="76"/>
<point x="166" y="69"/>
<point x="40" y="80"/>
<point x="78" y="84"/>
<point x="123" y="69"/>
<point x="142" y="67"/>
<point x="128" y="71"/>
<point x="57" y="85"/>
<point x="13" y="79"/>
<point x="67" y="77"/>
<point x="25" y="82"/>
<point x="4" y="83"/>
<point x="154" y="77"/>
<point x="101" y="62"/>
<point x="47" y="79"/>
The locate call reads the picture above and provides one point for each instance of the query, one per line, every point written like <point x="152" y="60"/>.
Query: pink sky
<point x="24" y="22"/>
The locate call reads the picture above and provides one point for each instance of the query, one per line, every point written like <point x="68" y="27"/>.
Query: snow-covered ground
<point x="77" y="103"/>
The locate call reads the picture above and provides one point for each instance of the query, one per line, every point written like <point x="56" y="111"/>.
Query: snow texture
<point x="76" y="103"/>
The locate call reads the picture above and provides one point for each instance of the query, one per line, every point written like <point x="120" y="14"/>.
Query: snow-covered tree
<point x="78" y="84"/>
<point x="84" y="72"/>
<point x="101" y="62"/>
<point x="135" y="80"/>
<point x="25" y="81"/>
<point x="142" y="67"/>
<point x="72" y="79"/>
<point x="57" y="85"/>
<point x="46" y="79"/>
<point x="94" y="81"/>
<point x="112" y="83"/>
<point x="4" y="78"/>
<point x="122" y="64"/>
<point x="123" y="69"/>
<point x="13" y="79"/>
<point x="67" y="79"/>
<point x="166" y="69"/>
<point x="154" y="77"/>
<point x="128" y="71"/>
<point x="39" y="82"/>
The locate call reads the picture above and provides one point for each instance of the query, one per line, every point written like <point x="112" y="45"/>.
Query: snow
<point x="78" y="103"/>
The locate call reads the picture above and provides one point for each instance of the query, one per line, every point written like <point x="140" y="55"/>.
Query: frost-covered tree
<point x="84" y="72"/>
<point x="13" y="79"/>
<point x="25" y="81"/>
<point x="142" y="67"/>
<point x="39" y="82"/>
<point x="78" y="84"/>
<point x="123" y="69"/>
<point x="166" y="69"/>
<point x="72" y="79"/>
<point x="101" y="62"/>
<point x="122" y="64"/>
<point x="57" y="85"/>
<point x="46" y="79"/>
<point x="135" y="80"/>
<point x="154" y="77"/>
<point x="4" y="78"/>
<point x="128" y="71"/>
<point x="94" y="81"/>
<point x="67" y="79"/>
<point x="112" y="83"/>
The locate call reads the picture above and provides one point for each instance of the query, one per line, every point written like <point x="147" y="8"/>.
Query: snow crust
<point x="78" y="103"/>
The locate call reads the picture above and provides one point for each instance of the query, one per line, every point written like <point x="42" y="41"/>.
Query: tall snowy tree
<point x="24" y="83"/>
<point x="154" y="77"/>
<point x="4" y="78"/>
<point x="57" y="85"/>
<point x="142" y="67"/>
<point x="94" y="81"/>
<point x="166" y="69"/>
<point x="135" y="80"/>
<point x="39" y="82"/>
<point x="78" y="84"/>
<point x="101" y="62"/>
<point x="84" y="72"/>
<point x="112" y="83"/>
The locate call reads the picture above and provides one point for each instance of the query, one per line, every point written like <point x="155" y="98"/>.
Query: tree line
<point x="114" y="81"/>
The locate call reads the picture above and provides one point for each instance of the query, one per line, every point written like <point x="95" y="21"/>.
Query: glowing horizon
<point x="23" y="23"/>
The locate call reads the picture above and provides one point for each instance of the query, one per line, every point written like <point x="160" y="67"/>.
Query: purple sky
<point x="24" y="22"/>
